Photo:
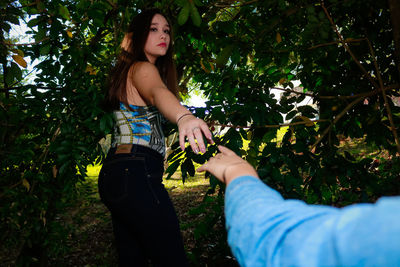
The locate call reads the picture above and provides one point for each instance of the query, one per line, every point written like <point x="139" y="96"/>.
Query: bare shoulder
<point x="143" y="69"/>
<point x="146" y="79"/>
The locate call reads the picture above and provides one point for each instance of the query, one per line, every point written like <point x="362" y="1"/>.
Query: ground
<point x="92" y="241"/>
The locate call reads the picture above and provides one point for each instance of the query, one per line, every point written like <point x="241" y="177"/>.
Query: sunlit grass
<point x="174" y="182"/>
<point x="93" y="170"/>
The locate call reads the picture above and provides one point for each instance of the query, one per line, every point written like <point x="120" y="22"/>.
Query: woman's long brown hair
<point x="139" y="30"/>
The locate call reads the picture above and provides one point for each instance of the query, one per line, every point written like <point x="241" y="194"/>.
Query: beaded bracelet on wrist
<point x="186" y="114"/>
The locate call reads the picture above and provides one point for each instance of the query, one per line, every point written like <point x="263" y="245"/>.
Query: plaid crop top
<point x="140" y="126"/>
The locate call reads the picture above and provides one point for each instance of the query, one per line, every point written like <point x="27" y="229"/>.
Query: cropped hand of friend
<point x="226" y="166"/>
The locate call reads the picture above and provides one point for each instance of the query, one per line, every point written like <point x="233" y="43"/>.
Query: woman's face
<point x="158" y="39"/>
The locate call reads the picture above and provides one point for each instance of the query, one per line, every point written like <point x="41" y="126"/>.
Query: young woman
<point x="142" y="85"/>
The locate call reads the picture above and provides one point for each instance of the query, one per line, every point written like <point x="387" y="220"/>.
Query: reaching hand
<point x="227" y="166"/>
<point x="193" y="128"/>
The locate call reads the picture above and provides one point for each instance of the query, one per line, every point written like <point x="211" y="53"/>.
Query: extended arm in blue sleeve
<point x="266" y="230"/>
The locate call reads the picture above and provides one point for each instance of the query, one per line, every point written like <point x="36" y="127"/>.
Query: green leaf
<point x="103" y="123"/>
<point x="56" y="29"/>
<point x="190" y="167"/>
<point x="6" y="27"/>
<point x="214" y="182"/>
<point x="13" y="73"/>
<point x="181" y="3"/>
<point x="184" y="14"/>
<point x="235" y="56"/>
<point x="196" y="19"/>
<point x="184" y="171"/>
<point x="63" y="10"/>
<point x="98" y="17"/>
<point x="83" y="148"/>
<point x="172" y="168"/>
<point x="176" y="154"/>
<point x="41" y="6"/>
<point x="224" y="55"/>
<point x="276" y="117"/>
<point x="291" y="115"/>
<point x="198" y="3"/>
<point x="34" y="22"/>
<point x="40" y="35"/>
<point x="300" y="98"/>
<point x="268" y="136"/>
<point x="307" y="111"/>
<point x="12" y="19"/>
<point x="224" y="26"/>
<point x="45" y="50"/>
<point x="272" y="69"/>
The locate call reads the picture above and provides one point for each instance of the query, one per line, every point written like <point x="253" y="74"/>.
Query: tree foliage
<point x="345" y="54"/>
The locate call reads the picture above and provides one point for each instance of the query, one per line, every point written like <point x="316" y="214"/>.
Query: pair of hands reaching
<point x="226" y="166"/>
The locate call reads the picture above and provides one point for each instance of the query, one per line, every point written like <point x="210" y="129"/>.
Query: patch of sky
<point x="20" y="36"/>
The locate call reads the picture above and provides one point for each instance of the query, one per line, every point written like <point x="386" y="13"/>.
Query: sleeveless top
<point x="139" y="126"/>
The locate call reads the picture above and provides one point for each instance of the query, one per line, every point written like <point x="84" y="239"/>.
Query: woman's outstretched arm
<point x="147" y="80"/>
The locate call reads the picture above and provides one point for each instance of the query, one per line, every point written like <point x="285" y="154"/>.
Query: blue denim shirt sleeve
<point x="266" y="230"/>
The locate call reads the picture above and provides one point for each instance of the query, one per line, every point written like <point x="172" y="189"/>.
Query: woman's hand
<point x="226" y="166"/>
<point x="194" y="129"/>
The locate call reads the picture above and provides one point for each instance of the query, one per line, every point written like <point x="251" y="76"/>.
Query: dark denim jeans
<point x="144" y="220"/>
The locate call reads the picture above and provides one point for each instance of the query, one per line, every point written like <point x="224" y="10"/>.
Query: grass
<point x="175" y="182"/>
<point x="93" y="170"/>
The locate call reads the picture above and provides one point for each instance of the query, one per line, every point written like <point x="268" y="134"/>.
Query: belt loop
<point x="133" y="149"/>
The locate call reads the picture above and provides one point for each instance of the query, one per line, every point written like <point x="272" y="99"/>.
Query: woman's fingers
<point x="207" y="133"/>
<point x="192" y="135"/>
<point x="194" y="130"/>
<point x="182" y="137"/>
<point x="199" y="137"/>
<point x="200" y="132"/>
<point x="191" y="138"/>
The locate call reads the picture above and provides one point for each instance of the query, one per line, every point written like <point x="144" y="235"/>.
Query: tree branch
<point x="337" y="118"/>
<point x="224" y="5"/>
<point x="266" y="126"/>
<point x="347" y="41"/>
<point x="347" y="48"/>
<point x="388" y="110"/>
<point x="366" y="94"/>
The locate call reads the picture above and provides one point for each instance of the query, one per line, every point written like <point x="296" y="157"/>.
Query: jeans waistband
<point x="133" y="149"/>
